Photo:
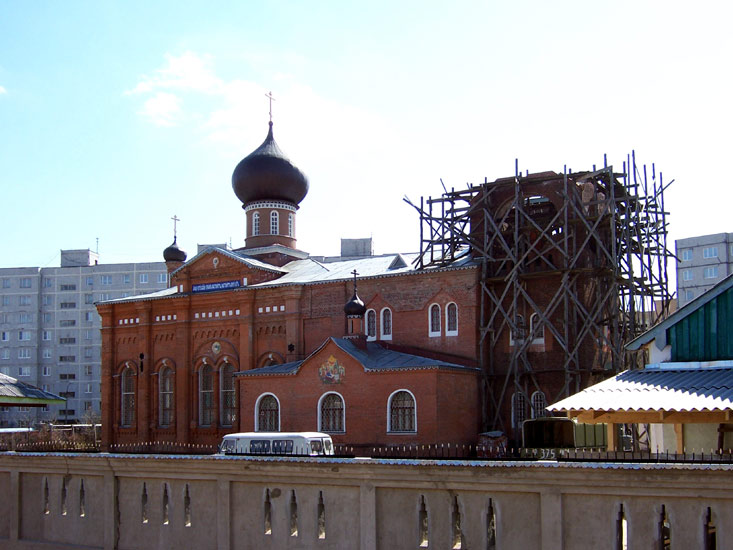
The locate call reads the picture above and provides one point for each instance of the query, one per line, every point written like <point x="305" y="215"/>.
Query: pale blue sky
<point x="116" y="116"/>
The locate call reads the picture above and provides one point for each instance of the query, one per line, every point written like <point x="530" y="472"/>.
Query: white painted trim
<point x="431" y="333"/>
<point x="382" y="335"/>
<point x="257" y="410"/>
<point x="319" y="411"/>
<point x="366" y="325"/>
<point x="389" y="412"/>
<point x="451" y="332"/>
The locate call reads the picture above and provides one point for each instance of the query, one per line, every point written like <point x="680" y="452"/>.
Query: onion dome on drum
<point x="267" y="174"/>
<point x="173" y="253"/>
<point x="355" y="307"/>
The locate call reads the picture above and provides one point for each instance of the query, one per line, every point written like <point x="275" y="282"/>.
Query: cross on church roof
<point x="354" y="273"/>
<point x="269" y="95"/>
<point x="175" y="220"/>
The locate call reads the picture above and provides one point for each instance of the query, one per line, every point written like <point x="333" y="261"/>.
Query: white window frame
<point x="47" y="353"/>
<point x="370" y="337"/>
<point x="343" y="413"/>
<point x="433" y="333"/>
<point x="4" y="336"/>
<point x="710" y="252"/>
<point x="536" y="401"/>
<point x="24" y="353"/>
<point x="45" y="371"/>
<point x="257" y="410"/>
<point x="710" y="272"/>
<point x="163" y="394"/>
<point x="255" y="224"/>
<point x="128" y="372"/>
<point x="201" y="424"/>
<point x="5" y="354"/>
<point x="162" y="278"/>
<point x="538" y="338"/>
<point x="106" y="280"/>
<point x="291" y="224"/>
<point x="689" y="295"/>
<point x="143" y="279"/>
<point x="449" y="332"/>
<point x="126" y="278"/>
<point x="687" y="275"/>
<point x="687" y="255"/>
<point x="223" y="392"/>
<point x="382" y="334"/>
<point x="389" y="413"/>
<point x="274" y="222"/>
<point x="24" y="372"/>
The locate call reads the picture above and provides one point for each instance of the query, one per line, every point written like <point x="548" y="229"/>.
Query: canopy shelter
<point x="664" y="393"/>
<point x="14" y="393"/>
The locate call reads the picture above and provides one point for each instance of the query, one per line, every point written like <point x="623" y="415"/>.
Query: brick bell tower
<point x="270" y="188"/>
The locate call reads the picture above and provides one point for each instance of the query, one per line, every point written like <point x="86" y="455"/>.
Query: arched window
<point x="517" y="333"/>
<point x="434" y="320"/>
<point x="274" y="223"/>
<point x="402" y="412"/>
<point x="371" y="324"/>
<point x="165" y="397"/>
<point x="127" y="412"/>
<point x="291" y="225"/>
<point x="536" y="329"/>
<point x="331" y="414"/>
<point x="268" y="414"/>
<point x="206" y="395"/>
<point x="519" y="410"/>
<point x="256" y="223"/>
<point x="539" y="404"/>
<point x="386" y="324"/>
<point x="228" y="395"/>
<point x="451" y="319"/>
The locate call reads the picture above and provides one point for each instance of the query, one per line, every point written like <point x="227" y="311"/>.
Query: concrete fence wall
<point x="132" y="502"/>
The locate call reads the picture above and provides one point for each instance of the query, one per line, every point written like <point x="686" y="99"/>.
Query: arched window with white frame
<point x="227" y="395"/>
<point x="274" y="223"/>
<point x="434" y="320"/>
<point x="536" y="329"/>
<point x="371" y="325"/>
<point x="165" y="397"/>
<point x="401" y="412"/>
<point x="127" y="403"/>
<point x="206" y="395"/>
<point x="291" y="224"/>
<point x="267" y="413"/>
<point x="519" y="411"/>
<point x="451" y="319"/>
<point x="331" y="413"/>
<point x="539" y="404"/>
<point x="256" y="223"/>
<point x="386" y="324"/>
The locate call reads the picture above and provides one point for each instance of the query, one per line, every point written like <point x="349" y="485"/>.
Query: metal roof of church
<point x="311" y="271"/>
<point x="374" y="358"/>
<point x="657" y="388"/>
<point x="15" y="392"/>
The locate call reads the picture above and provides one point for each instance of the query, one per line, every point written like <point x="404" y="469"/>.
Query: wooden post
<point x="611" y="437"/>
<point x="680" y="435"/>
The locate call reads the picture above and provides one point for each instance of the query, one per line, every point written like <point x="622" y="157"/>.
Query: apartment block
<point x="49" y="329"/>
<point x="702" y="263"/>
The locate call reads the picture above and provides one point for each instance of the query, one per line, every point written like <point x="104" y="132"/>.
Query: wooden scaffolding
<point x="576" y="258"/>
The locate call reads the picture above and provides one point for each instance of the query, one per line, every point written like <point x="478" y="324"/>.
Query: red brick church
<point x="368" y="348"/>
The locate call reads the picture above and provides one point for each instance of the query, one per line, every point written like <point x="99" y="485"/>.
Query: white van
<point x="277" y="443"/>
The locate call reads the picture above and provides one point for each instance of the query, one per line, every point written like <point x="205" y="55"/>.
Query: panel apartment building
<point x="702" y="263"/>
<point x="49" y="329"/>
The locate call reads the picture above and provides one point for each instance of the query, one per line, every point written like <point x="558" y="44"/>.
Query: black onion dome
<point x="267" y="174"/>
<point x="355" y="306"/>
<point x="173" y="253"/>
